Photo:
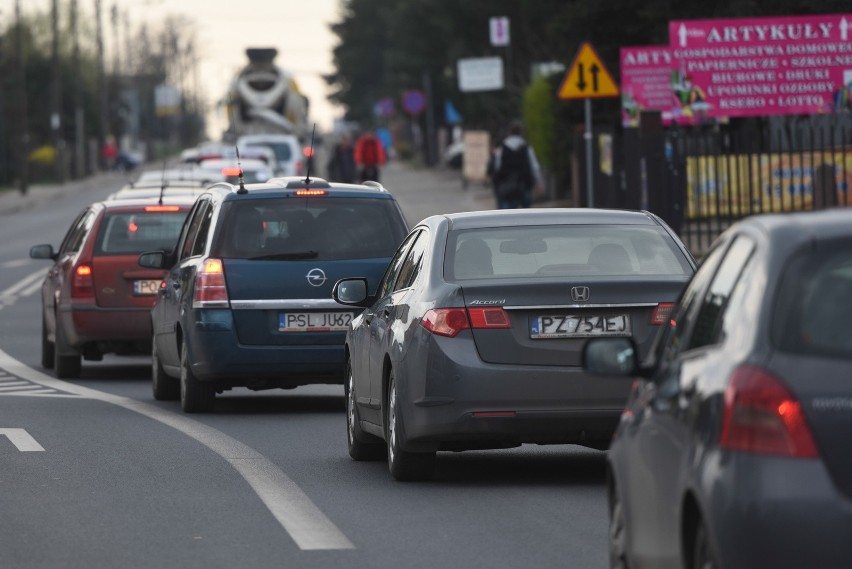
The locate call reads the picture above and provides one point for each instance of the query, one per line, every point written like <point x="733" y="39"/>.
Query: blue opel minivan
<point x="247" y="300"/>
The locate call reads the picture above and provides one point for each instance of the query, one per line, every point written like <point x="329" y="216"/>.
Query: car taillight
<point x="82" y="283"/>
<point x="451" y="321"/>
<point x="762" y="416"/>
<point x="299" y="165"/>
<point x="494" y="317"/>
<point x="445" y="321"/>
<point x="661" y="313"/>
<point x="210" y="289"/>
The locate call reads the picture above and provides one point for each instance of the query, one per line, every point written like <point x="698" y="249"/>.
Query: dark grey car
<point x="474" y="336"/>
<point x="734" y="450"/>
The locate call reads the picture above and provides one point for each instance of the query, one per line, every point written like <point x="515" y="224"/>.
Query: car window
<point x="708" y="322"/>
<point x="413" y="262"/>
<point x="77" y="235"/>
<point x="124" y="233"/>
<point x="813" y="310"/>
<point x="69" y="235"/>
<point x="192" y="229"/>
<point x="392" y="272"/>
<point x="200" y="242"/>
<point x="563" y="251"/>
<point x="670" y="342"/>
<point x="322" y="228"/>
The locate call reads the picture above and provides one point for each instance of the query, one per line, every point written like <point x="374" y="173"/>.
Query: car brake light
<point x="311" y="193"/>
<point x="210" y="288"/>
<point x="762" y="416"/>
<point x="231" y="171"/>
<point x="82" y="285"/>
<point x="494" y="317"/>
<point x="308" y="151"/>
<point x="132" y="227"/>
<point x="445" y="321"/>
<point x="661" y="313"/>
<point x="299" y="165"/>
<point x="156" y="208"/>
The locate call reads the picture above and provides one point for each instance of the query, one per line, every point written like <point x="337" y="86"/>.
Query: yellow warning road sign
<point x="587" y="78"/>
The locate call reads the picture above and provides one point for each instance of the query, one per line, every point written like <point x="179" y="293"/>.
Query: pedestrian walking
<point x="369" y="156"/>
<point x="341" y="166"/>
<point x="516" y="171"/>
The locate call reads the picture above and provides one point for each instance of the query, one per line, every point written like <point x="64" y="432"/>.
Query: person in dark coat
<point x="341" y="165"/>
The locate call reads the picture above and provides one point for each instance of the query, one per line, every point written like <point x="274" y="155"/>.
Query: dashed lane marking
<point x="306" y="524"/>
<point x="13" y="385"/>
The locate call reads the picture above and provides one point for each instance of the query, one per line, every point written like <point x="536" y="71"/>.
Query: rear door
<point x="282" y="256"/>
<point x="561" y="285"/>
<point x="122" y="235"/>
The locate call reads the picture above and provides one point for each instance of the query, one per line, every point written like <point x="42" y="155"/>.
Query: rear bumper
<point x="461" y="401"/>
<point x="216" y="355"/>
<point x="89" y="323"/>
<point x="777" y="512"/>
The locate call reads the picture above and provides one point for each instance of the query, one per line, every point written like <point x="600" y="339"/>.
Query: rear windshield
<point x="814" y="308"/>
<point x="563" y="251"/>
<point x="322" y="228"/>
<point x="133" y="233"/>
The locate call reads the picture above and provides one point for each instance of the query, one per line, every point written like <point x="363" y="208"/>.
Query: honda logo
<point x="580" y="294"/>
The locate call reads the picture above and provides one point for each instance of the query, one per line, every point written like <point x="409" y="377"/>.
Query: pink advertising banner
<point x="761" y="66"/>
<point x="646" y="83"/>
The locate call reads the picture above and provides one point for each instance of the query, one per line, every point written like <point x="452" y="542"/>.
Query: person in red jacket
<point x="369" y="156"/>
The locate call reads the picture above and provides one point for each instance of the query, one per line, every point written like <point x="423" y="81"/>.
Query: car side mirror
<point x="42" y="252"/>
<point x="611" y="356"/>
<point x="153" y="260"/>
<point x="352" y="292"/>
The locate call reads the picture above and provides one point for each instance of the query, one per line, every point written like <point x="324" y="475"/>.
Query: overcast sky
<point x="299" y="29"/>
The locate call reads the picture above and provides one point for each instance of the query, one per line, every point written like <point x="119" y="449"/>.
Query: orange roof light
<point x="232" y="171"/>
<point x="162" y="208"/>
<point x="309" y="193"/>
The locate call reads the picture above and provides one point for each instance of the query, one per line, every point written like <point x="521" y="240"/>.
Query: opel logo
<point x="316" y="277"/>
<point x="580" y="294"/>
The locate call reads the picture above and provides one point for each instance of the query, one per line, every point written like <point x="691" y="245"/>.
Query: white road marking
<point x="32" y="289"/>
<point x="22" y="439"/>
<point x="23" y="283"/>
<point x="20" y="387"/>
<point x="15" y="264"/>
<point x="309" y="528"/>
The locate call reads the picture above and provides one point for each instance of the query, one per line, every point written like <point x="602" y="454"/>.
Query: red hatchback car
<point x="96" y="299"/>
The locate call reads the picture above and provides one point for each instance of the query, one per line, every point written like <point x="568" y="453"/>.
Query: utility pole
<point x="23" y="147"/>
<point x="56" y="95"/>
<point x="79" y="130"/>
<point x="103" y="129"/>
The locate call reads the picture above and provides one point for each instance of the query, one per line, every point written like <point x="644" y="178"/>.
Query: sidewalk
<point x="12" y="201"/>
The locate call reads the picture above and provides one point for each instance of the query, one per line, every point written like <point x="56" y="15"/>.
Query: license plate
<point x="573" y="326"/>
<point x="146" y="287"/>
<point x="313" y="321"/>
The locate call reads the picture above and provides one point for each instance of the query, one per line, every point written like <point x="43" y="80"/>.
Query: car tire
<point x="404" y="466"/>
<point x="703" y="556"/>
<point x="47" y="347"/>
<point x="195" y="396"/>
<point x="362" y="446"/>
<point x="617" y="533"/>
<point x="165" y="388"/>
<point x="64" y="366"/>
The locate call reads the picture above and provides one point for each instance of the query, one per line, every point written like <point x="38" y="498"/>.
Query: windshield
<point x="133" y="233"/>
<point x="563" y="251"/>
<point x="316" y="228"/>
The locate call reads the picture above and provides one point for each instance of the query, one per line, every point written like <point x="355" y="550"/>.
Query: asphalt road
<point x="95" y="473"/>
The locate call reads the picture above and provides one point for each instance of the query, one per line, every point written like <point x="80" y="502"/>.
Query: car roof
<point x="545" y="216"/>
<point x="184" y="201"/>
<point x="288" y="186"/>
<point x="244" y="163"/>
<point x="268" y="137"/>
<point x="796" y="228"/>
<point x="171" y="193"/>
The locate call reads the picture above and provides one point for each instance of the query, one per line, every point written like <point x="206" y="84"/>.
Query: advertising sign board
<point x="646" y="82"/>
<point x="761" y="66"/>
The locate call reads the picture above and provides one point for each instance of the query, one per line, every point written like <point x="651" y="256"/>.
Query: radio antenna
<point x="163" y="182"/>
<point x="242" y="189"/>
<point x="310" y="156"/>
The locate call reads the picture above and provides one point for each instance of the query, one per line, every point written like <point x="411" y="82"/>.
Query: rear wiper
<point x="286" y="256"/>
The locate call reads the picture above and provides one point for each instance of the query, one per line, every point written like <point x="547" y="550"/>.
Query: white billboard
<point x="480" y="74"/>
